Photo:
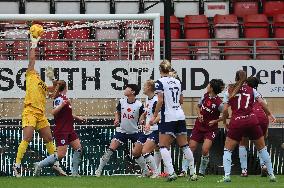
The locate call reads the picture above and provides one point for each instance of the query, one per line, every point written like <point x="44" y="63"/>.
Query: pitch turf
<point x="134" y="182"/>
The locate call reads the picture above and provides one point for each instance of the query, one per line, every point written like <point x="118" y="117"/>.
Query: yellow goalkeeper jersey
<point x="36" y="91"/>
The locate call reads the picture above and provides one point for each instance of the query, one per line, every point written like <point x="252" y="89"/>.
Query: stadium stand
<point x="175" y="27"/>
<point x="256" y="26"/>
<point x="237" y="50"/>
<point x="267" y="50"/>
<point x="88" y="51"/>
<point x="226" y="26"/>
<point x="56" y="51"/>
<point x="242" y="8"/>
<point x="196" y="27"/>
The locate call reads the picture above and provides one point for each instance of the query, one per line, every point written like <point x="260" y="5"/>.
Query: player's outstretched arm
<point x="266" y="109"/>
<point x="31" y="65"/>
<point x="32" y="54"/>
<point x="225" y="114"/>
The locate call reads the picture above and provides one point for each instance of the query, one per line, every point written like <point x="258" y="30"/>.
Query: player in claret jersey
<point x="172" y="124"/>
<point x="128" y="112"/>
<point x="243" y="122"/>
<point x="263" y="123"/>
<point x="206" y="124"/>
<point x="64" y="132"/>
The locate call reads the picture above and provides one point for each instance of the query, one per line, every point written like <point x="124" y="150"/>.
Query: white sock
<point x="142" y="163"/>
<point x="184" y="164"/>
<point x="76" y="160"/>
<point x="105" y="158"/>
<point x="203" y="164"/>
<point x="48" y="161"/>
<point x="263" y="153"/>
<point x="243" y="158"/>
<point x="189" y="156"/>
<point x="166" y="156"/>
<point x="227" y="161"/>
<point x="151" y="162"/>
<point x="158" y="158"/>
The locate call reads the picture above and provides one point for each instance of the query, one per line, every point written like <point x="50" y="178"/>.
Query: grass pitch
<point x="134" y="182"/>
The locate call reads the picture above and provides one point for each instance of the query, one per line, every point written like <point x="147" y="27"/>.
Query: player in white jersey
<point x="172" y="124"/>
<point x="128" y="112"/>
<point x="149" y="140"/>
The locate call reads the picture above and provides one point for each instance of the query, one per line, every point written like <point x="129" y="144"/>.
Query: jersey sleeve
<point x="159" y="87"/>
<point x="256" y="94"/>
<point x="141" y="110"/>
<point x="57" y="102"/>
<point x="221" y="107"/>
<point x="226" y="97"/>
<point x="154" y="107"/>
<point x="118" y="107"/>
<point x="199" y="104"/>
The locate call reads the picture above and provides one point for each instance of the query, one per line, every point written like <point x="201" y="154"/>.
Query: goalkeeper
<point x="33" y="115"/>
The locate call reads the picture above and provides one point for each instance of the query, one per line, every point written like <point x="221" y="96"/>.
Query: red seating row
<point x="242" y="8"/>
<point x="96" y="51"/>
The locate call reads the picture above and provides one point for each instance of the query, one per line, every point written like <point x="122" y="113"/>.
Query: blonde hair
<point x="165" y="67"/>
<point x="151" y="83"/>
<point x="59" y="86"/>
<point x="173" y="74"/>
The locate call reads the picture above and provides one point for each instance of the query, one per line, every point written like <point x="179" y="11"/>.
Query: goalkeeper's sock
<point x="76" y="160"/>
<point x="50" y="147"/>
<point x="105" y="158"/>
<point x="21" y="151"/>
<point x="48" y="161"/>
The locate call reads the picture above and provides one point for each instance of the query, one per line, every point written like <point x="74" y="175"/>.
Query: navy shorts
<point x="123" y="137"/>
<point x="173" y="128"/>
<point x="154" y="136"/>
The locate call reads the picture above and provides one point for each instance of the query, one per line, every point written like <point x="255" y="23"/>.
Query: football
<point x="36" y="30"/>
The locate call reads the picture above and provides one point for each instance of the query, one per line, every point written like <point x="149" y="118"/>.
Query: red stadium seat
<point x="49" y="35"/>
<point x="79" y="33"/>
<point x="15" y="30"/>
<point x="226" y="26"/>
<point x="256" y="26"/>
<point x="144" y="51"/>
<point x="267" y="50"/>
<point x="106" y="31"/>
<point x="4" y="52"/>
<point x="237" y="50"/>
<point x="175" y="27"/>
<point x="180" y="51"/>
<point x="201" y="51"/>
<point x="56" y="51"/>
<point x="87" y="51"/>
<point x="117" y="51"/>
<point x="247" y="7"/>
<point x="272" y="8"/>
<point x="278" y="26"/>
<point x="196" y="27"/>
<point x="137" y="29"/>
<point x="20" y="50"/>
